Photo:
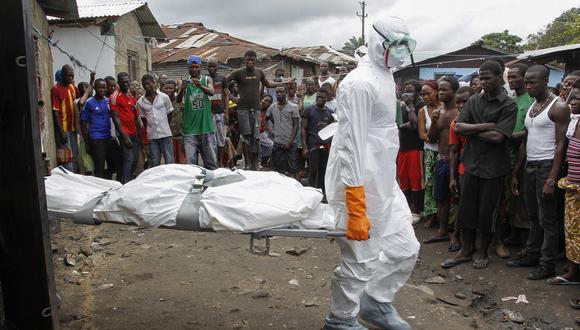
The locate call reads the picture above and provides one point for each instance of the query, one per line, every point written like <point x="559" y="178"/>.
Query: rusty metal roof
<point x="317" y="54"/>
<point x="195" y="39"/>
<point x="149" y="25"/>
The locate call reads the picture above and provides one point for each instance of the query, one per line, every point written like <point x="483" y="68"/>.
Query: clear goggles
<point x="405" y="43"/>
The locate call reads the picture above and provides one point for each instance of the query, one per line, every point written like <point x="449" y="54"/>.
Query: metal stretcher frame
<point x="254" y="236"/>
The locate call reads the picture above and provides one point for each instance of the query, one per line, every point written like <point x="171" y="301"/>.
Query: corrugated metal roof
<point x="195" y="39"/>
<point x="317" y="54"/>
<point x="108" y="9"/>
<point x="149" y="25"/>
<point x="548" y="51"/>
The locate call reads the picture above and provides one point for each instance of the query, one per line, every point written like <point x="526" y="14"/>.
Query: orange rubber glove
<point x="358" y="224"/>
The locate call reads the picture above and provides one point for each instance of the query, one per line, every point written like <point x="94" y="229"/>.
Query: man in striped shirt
<point x="63" y="96"/>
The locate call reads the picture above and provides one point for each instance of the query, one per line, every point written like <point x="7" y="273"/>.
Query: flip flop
<point x="436" y="240"/>
<point x="452" y="262"/>
<point x="560" y="280"/>
<point x="454" y="246"/>
<point x="480" y="263"/>
<point x="575" y="303"/>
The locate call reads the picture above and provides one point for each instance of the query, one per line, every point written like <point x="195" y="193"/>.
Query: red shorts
<point x="410" y="169"/>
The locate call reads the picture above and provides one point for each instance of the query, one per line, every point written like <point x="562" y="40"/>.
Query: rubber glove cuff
<point x="358" y="224"/>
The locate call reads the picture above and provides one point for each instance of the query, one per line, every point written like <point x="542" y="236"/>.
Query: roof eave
<point x="148" y="23"/>
<point x="59" y="8"/>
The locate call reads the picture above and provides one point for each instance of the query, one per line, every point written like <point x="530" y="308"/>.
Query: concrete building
<point x="108" y="38"/>
<point x="44" y="66"/>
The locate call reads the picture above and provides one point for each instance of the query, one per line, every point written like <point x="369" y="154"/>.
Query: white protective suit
<point x="364" y="153"/>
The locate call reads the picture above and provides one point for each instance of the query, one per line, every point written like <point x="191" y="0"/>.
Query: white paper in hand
<point x="328" y="131"/>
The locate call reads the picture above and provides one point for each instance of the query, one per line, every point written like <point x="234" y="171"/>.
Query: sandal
<point x="436" y="239"/>
<point x="480" y="263"/>
<point x="575" y="303"/>
<point x="454" y="246"/>
<point x="452" y="262"/>
<point x="561" y="280"/>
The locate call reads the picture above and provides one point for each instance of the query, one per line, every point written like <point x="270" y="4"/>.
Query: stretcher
<point x="188" y="213"/>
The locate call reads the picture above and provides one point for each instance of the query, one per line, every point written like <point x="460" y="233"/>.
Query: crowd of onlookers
<point x="495" y="161"/>
<point x="113" y="127"/>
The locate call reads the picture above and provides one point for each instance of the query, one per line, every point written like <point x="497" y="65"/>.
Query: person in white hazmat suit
<point x="362" y="189"/>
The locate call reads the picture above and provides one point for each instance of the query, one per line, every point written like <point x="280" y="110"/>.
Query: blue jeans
<point x="160" y="146"/>
<point x="71" y="140"/>
<point x="130" y="157"/>
<point x="204" y="144"/>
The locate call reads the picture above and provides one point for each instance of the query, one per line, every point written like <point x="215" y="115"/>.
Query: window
<point x="438" y="75"/>
<point x="133" y="65"/>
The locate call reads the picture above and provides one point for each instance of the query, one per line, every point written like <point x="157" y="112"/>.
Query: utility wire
<point x="54" y="43"/>
<point x="101" y="40"/>
<point x="100" y="54"/>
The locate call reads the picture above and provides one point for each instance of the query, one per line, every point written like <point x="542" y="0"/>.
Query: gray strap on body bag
<point x="84" y="215"/>
<point x="188" y="214"/>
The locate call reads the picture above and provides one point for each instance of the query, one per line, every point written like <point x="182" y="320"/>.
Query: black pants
<point x="317" y="160"/>
<point x="479" y="205"/>
<point x="106" y="150"/>
<point x="542" y="213"/>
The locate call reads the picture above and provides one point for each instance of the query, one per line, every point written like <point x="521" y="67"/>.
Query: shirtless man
<point x="439" y="131"/>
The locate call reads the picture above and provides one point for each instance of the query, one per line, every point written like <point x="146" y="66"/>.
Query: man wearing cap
<point x="198" y="124"/>
<point x="250" y="82"/>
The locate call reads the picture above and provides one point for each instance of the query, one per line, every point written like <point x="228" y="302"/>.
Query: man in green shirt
<point x="198" y="125"/>
<point x="516" y="82"/>
<point x="517" y="209"/>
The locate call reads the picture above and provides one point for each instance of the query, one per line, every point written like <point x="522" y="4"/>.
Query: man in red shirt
<point x="126" y="119"/>
<point x="63" y="96"/>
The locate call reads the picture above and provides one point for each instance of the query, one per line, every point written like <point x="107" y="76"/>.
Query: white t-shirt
<point x="156" y="115"/>
<point x="332" y="105"/>
<point x="330" y="80"/>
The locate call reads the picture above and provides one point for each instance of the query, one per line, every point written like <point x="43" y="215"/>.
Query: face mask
<point x="395" y="56"/>
<point x="396" y="48"/>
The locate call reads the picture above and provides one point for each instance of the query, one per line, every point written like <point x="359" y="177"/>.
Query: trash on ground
<point x="519" y="299"/>
<point x="106" y="286"/>
<point x="513" y="316"/>
<point x="435" y="280"/>
<point x="297" y="251"/>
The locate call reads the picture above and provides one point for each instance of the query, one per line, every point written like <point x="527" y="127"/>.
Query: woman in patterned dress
<point x="571" y="184"/>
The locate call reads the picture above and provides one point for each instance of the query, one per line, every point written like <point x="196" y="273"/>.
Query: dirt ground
<point x="122" y="277"/>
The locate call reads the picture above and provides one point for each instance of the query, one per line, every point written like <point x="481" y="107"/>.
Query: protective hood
<point x="384" y="45"/>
